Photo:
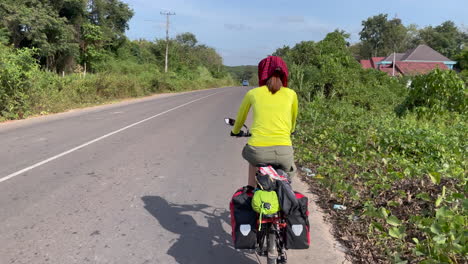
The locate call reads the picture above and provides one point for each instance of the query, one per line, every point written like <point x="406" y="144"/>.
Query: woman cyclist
<point x="274" y="119"/>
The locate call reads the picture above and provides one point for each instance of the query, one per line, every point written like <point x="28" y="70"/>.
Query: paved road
<point x="96" y="186"/>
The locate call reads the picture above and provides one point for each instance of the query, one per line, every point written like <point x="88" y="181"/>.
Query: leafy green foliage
<point x="64" y="32"/>
<point x="33" y="25"/>
<point x="185" y="55"/>
<point x="445" y="38"/>
<point x="437" y="92"/>
<point x="403" y="179"/>
<point x="4" y="36"/>
<point x="323" y="67"/>
<point x="383" y="36"/>
<point x="17" y="71"/>
<point x="92" y="46"/>
<point x="134" y="69"/>
<point x="390" y="172"/>
<point x="187" y="39"/>
<point x="246" y="72"/>
<point x="462" y="59"/>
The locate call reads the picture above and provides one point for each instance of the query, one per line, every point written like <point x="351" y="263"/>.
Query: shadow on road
<point x="196" y="244"/>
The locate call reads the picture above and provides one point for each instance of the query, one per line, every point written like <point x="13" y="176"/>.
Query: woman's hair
<point x="274" y="83"/>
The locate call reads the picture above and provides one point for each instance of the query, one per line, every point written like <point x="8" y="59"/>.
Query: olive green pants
<point x="281" y="155"/>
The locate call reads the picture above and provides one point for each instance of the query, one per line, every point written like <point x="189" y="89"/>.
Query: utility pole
<point x="167" y="14"/>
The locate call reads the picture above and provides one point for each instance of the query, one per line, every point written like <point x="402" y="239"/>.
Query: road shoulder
<point x="331" y="250"/>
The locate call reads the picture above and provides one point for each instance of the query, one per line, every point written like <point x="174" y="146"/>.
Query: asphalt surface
<point x="96" y="186"/>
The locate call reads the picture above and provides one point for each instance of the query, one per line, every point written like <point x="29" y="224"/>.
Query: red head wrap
<point x="268" y="66"/>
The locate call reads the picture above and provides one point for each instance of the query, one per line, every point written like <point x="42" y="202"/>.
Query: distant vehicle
<point x="245" y="83"/>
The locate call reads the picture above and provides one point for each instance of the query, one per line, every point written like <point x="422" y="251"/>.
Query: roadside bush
<point x="121" y="70"/>
<point x="326" y="67"/>
<point x="436" y="92"/>
<point x="25" y="90"/>
<point x="464" y="76"/>
<point x="18" y="69"/>
<point x="329" y="70"/>
<point x="402" y="178"/>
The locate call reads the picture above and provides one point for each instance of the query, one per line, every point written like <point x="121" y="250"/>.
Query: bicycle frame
<point x="271" y="239"/>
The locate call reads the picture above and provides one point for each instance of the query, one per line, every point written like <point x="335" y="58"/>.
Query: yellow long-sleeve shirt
<point x="274" y="116"/>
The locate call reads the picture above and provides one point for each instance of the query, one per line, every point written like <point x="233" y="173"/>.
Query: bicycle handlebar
<point x="247" y="134"/>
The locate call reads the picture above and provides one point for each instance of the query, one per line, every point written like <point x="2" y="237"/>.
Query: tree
<point x="186" y="55"/>
<point x="325" y="67"/>
<point x="303" y="53"/>
<point x="344" y="34"/>
<point x="445" y="38"/>
<point x="209" y="58"/>
<point x="183" y="51"/>
<point x="373" y="32"/>
<point x="462" y="59"/>
<point x="246" y="72"/>
<point x="73" y="10"/>
<point x="112" y="16"/>
<point x="383" y="36"/>
<point x="92" y="42"/>
<point x="412" y="36"/>
<point x="360" y="50"/>
<point x="187" y="39"/>
<point x="59" y="29"/>
<point x="395" y="36"/>
<point x="35" y="25"/>
<point x="282" y="52"/>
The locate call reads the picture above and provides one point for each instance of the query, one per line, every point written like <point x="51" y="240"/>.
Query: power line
<point x="167" y="14"/>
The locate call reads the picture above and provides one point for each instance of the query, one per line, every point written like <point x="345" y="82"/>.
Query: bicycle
<point x="272" y="228"/>
<point x="270" y="240"/>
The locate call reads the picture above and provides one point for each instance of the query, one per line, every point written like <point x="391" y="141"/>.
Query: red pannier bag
<point x="243" y="219"/>
<point x="297" y="228"/>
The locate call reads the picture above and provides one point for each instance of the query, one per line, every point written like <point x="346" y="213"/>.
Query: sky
<point x="244" y="32"/>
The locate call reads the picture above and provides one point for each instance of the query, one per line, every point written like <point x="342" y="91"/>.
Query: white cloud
<point x="237" y="27"/>
<point x="292" y="19"/>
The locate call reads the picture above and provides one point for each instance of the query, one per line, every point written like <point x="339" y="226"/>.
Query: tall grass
<point x="26" y="90"/>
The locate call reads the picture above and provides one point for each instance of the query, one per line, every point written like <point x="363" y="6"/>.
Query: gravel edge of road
<point x="321" y="215"/>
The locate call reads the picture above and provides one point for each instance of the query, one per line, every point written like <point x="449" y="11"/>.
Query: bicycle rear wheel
<point x="271" y="260"/>
<point x="272" y="256"/>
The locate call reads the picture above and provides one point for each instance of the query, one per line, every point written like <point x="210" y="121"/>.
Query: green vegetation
<point x="245" y="72"/>
<point x="394" y="156"/>
<point x="436" y="93"/>
<point x="57" y="55"/>
<point x="462" y="60"/>
<point x="65" y="32"/>
<point x="381" y="36"/>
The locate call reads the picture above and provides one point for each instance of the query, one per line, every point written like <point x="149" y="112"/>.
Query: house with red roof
<point x="372" y="63"/>
<point x="420" y="60"/>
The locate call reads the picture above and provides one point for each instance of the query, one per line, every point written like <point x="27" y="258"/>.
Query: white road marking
<point x="96" y="140"/>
